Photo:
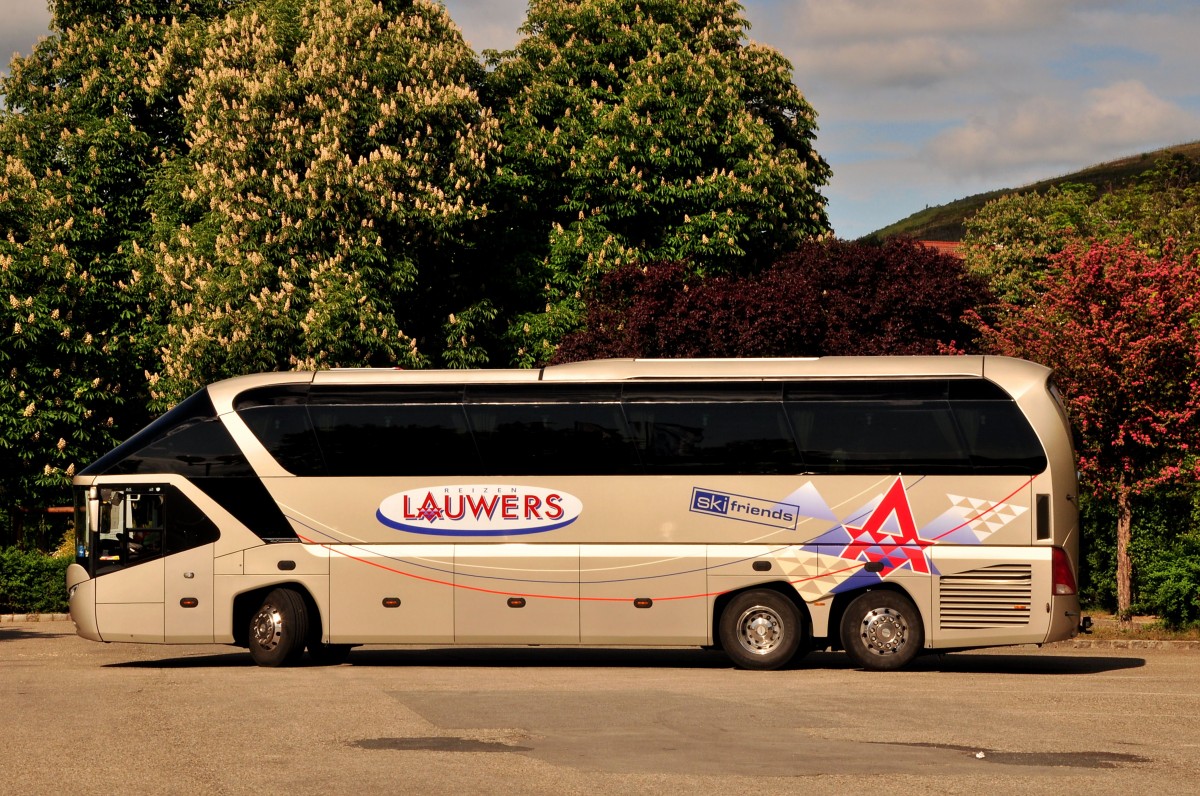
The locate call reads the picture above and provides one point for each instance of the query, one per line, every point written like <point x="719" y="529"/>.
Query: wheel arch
<point x="782" y="587"/>
<point x="843" y="599"/>
<point x="246" y="603"/>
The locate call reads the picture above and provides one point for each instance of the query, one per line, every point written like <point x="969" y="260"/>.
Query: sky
<point x="921" y="102"/>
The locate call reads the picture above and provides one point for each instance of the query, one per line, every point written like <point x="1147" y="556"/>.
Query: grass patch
<point x="1140" y="628"/>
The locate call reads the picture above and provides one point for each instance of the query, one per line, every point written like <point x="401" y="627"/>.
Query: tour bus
<point x="884" y="506"/>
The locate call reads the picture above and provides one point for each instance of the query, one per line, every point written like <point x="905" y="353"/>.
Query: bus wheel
<point x="279" y="629"/>
<point x="328" y="654"/>
<point x="881" y="631"/>
<point x="760" y="629"/>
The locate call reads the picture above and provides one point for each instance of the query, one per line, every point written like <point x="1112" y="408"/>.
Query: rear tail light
<point x="1064" y="577"/>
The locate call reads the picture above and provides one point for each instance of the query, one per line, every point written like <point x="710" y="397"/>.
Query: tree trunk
<point x="1124" y="564"/>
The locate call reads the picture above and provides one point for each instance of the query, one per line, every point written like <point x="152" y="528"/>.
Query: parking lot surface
<point x="79" y="717"/>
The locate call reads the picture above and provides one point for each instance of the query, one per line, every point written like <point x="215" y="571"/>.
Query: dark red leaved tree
<point x="828" y="298"/>
<point x="1119" y="328"/>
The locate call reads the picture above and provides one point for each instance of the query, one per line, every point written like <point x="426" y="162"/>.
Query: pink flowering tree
<point x="1120" y="329"/>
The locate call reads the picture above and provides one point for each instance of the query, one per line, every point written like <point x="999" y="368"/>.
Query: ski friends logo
<point x="746" y="509"/>
<point x="478" y="510"/>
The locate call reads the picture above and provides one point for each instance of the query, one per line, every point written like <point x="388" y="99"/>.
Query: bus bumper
<point x="81" y="596"/>
<point x="1065" y="618"/>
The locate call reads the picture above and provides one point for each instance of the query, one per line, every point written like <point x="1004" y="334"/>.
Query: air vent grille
<point x="990" y="597"/>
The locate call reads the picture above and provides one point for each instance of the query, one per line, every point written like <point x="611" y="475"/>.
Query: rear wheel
<point x="279" y="629"/>
<point x="761" y="630"/>
<point x="882" y="631"/>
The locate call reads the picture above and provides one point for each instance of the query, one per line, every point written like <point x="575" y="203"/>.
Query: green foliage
<point x="1012" y="240"/>
<point x="1098" y="550"/>
<point x="1165" y="553"/>
<point x="32" y="582"/>
<point x="77" y="142"/>
<point x="947" y="222"/>
<point x="646" y="130"/>
<point x="1172" y="583"/>
<point x="337" y="150"/>
<point x="1159" y="213"/>
<point x="463" y="350"/>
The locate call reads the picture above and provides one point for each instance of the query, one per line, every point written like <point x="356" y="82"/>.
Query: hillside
<point x="945" y="222"/>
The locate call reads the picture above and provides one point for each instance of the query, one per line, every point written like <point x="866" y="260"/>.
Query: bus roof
<point x="1012" y="373"/>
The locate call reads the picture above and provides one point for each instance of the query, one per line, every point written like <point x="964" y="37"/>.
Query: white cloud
<point x="1053" y="133"/>
<point x="25" y="21"/>
<point x="881" y="20"/>
<point x="916" y="62"/>
<point x="1129" y="113"/>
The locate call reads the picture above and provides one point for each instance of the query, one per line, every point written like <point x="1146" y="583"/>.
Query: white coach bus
<point x="881" y="505"/>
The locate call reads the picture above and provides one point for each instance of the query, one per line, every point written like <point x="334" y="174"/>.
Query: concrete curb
<point x="6" y="618"/>
<point x="1126" y="644"/>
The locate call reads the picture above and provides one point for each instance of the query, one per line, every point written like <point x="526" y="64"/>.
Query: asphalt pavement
<point x="81" y="717"/>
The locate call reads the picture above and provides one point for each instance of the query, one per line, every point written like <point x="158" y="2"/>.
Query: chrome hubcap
<point x="267" y="627"/>
<point x="760" y="630"/>
<point x="884" y="631"/>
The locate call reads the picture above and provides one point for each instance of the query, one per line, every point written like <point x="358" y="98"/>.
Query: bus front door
<point x="129" y="595"/>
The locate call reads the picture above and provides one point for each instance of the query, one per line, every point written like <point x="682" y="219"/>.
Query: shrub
<point x="1165" y="554"/>
<point x="32" y="582"/>
<point x="1171" y="583"/>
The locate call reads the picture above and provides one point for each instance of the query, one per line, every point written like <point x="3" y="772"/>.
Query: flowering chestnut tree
<point x="1119" y="328"/>
<point x="337" y="149"/>
<point x="79" y="137"/>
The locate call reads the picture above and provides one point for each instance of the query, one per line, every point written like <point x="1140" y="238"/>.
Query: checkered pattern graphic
<point x="984" y="517"/>
<point x="815" y="574"/>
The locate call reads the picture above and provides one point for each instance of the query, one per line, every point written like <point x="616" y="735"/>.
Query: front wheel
<point x="279" y="629"/>
<point x="882" y="631"/>
<point x="761" y="630"/>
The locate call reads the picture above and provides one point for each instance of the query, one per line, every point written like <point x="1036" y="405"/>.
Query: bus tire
<point x="882" y="631"/>
<point x="761" y="629"/>
<point x="279" y="629"/>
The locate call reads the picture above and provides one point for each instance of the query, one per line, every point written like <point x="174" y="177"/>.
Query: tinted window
<point x="919" y="426"/>
<point x="552" y="438"/>
<point x="250" y="502"/>
<point x="189" y="440"/>
<point x="144" y="526"/>
<point x="395" y="439"/>
<point x="999" y="438"/>
<point x="711" y="429"/>
<point x="287" y="434"/>
<point x="931" y="426"/>
<point x="187" y="526"/>
<point x="873" y="436"/>
<point x="146" y="522"/>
